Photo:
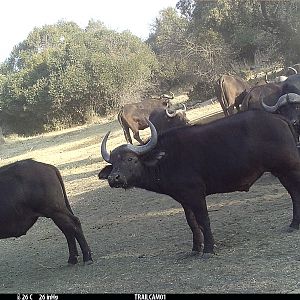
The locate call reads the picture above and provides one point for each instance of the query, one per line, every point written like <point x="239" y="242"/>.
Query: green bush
<point x="61" y="74"/>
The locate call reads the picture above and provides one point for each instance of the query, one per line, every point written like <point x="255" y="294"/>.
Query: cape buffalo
<point x="191" y="162"/>
<point x="288" y="105"/>
<point x="291" y="85"/>
<point x="230" y="89"/>
<point x="269" y="92"/>
<point x="133" y="116"/>
<point x="164" y="119"/>
<point x="31" y="189"/>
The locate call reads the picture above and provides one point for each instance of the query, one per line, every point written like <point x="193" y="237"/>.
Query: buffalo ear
<point x="105" y="172"/>
<point x="153" y="158"/>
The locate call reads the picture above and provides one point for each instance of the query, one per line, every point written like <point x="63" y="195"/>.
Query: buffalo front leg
<point x="198" y="240"/>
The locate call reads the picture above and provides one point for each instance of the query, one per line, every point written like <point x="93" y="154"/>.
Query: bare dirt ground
<point x="140" y="240"/>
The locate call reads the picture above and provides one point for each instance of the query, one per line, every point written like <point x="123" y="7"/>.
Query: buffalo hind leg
<point x="291" y="182"/>
<point x="127" y="135"/>
<point x="85" y="249"/>
<point x="197" y="233"/>
<point x="197" y="203"/>
<point x="137" y="137"/>
<point x="201" y="214"/>
<point x="67" y="224"/>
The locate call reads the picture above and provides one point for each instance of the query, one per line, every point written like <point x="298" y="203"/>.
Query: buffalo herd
<point x="184" y="161"/>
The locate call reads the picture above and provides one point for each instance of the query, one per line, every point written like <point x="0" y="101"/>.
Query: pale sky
<point x="19" y="17"/>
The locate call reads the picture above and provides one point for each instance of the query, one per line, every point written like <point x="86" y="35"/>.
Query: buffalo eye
<point x="129" y="158"/>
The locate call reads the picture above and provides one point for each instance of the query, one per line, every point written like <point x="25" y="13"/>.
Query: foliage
<point x="205" y="39"/>
<point x="187" y="55"/>
<point x="61" y="73"/>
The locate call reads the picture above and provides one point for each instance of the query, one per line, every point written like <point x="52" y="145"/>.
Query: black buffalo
<point x="288" y="105"/>
<point x="269" y="93"/>
<point x="164" y="119"/>
<point x="29" y="190"/>
<point x="223" y="156"/>
<point x="291" y="85"/>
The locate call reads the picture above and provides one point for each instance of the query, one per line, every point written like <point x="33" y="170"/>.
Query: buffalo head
<point x="287" y="105"/>
<point x="164" y="119"/>
<point x="173" y="113"/>
<point x="127" y="161"/>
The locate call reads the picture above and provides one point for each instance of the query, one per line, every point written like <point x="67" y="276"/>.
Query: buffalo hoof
<point x="88" y="262"/>
<point x="292" y="229"/>
<point x="294" y="225"/>
<point x="207" y="255"/>
<point x="195" y="253"/>
<point x="73" y="261"/>
<point x="198" y="248"/>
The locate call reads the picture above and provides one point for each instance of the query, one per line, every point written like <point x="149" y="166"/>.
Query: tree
<point x="61" y="74"/>
<point x="187" y="53"/>
<point x="250" y="26"/>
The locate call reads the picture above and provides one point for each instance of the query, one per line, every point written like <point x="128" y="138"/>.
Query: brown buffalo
<point x="133" y="116"/>
<point x="230" y="89"/>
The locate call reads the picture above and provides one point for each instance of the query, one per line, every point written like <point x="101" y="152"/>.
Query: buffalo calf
<point x="31" y="189"/>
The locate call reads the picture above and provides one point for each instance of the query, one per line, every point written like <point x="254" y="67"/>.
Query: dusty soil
<point x="140" y="240"/>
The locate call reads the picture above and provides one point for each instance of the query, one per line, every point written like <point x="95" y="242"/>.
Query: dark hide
<point x="230" y="89"/>
<point x="29" y="190"/>
<point x="269" y="92"/>
<point x="291" y="85"/>
<point x="163" y="122"/>
<point x="292" y="112"/>
<point x="223" y="156"/>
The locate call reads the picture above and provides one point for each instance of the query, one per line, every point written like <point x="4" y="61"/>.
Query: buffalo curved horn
<point x="104" y="153"/>
<point x="173" y="114"/>
<point x="293" y="69"/>
<point x="139" y="150"/>
<point x="280" y="102"/>
<point x="170" y="114"/>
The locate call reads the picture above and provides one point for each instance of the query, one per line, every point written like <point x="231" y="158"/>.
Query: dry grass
<point x="76" y="150"/>
<point x="140" y="240"/>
